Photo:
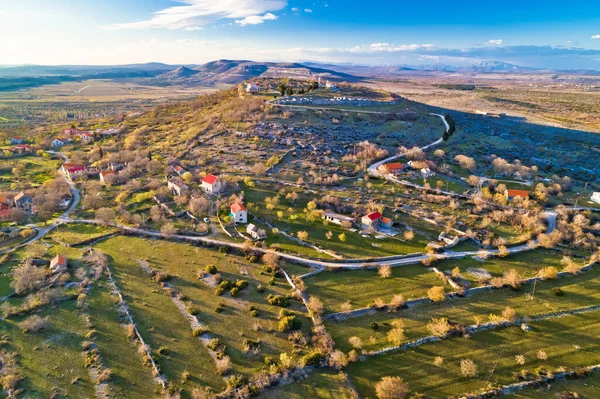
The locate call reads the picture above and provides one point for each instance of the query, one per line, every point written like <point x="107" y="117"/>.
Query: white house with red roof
<point x="22" y="149"/>
<point x="107" y="175"/>
<point x="180" y="170"/>
<point x="72" y="170"/>
<point x="86" y="137"/>
<point x="238" y="213"/>
<point x="211" y="184"/>
<point x="372" y="219"/>
<point x="252" y="88"/>
<point x="16" y="140"/>
<point x="58" y="264"/>
<point x="58" y="142"/>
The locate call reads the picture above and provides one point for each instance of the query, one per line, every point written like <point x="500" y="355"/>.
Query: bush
<point x="199" y="331"/>
<point x="163" y="350"/>
<point x="235" y="292"/>
<point x="260" y="288"/>
<point x="226" y="284"/>
<point x="289" y="323"/>
<point x="312" y="358"/>
<point x="193" y="310"/>
<point x="557" y="291"/>
<point x="278" y="300"/>
<point x="219" y="291"/>
<point x="391" y="388"/>
<point x="35" y="324"/>
<point x="468" y="368"/>
<point x="437" y="294"/>
<point x="223" y="250"/>
<point x="214" y="344"/>
<point x="548" y="273"/>
<point x="374" y="326"/>
<point x="236" y="381"/>
<point x="212" y="269"/>
<point x="241" y="284"/>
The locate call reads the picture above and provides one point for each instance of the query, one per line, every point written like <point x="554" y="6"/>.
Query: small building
<point x="177" y="187"/>
<point x="255" y="232"/>
<point x="15" y="140"/>
<point x="58" y="264"/>
<point x="211" y="184"/>
<point x="393" y="168"/>
<point x="23" y="201"/>
<point x="512" y="194"/>
<point x="337" y="218"/>
<point x="596" y="197"/>
<point x="448" y="239"/>
<point x="72" y="171"/>
<point x="238" y="213"/>
<point x="330" y="86"/>
<point x="5" y="215"/>
<point x="107" y="175"/>
<point x="70" y="132"/>
<point x="372" y="219"/>
<point x="22" y="149"/>
<point x="178" y="169"/>
<point x="252" y="88"/>
<point x="386" y="222"/>
<point x="426" y="173"/>
<point x="86" y="137"/>
<point x="58" y="142"/>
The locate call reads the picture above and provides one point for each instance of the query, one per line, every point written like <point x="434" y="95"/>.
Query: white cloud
<point x="307" y="10"/>
<point x="256" y="19"/>
<point x="596" y="37"/>
<point x="203" y="12"/>
<point x="295" y="9"/>
<point x="193" y="28"/>
<point x="497" y="42"/>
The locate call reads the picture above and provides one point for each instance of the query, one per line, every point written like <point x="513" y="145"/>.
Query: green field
<point x="36" y="171"/>
<point x="321" y="385"/>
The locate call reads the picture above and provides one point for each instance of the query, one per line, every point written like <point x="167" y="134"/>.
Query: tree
<point x="342" y="237"/>
<point x="271" y="259"/>
<point x="168" y="229"/>
<point x="302" y="235"/>
<point x="391" y="388"/>
<point x="439" y="327"/>
<point x="396" y="335"/>
<point x="315" y="306"/>
<point x="468" y="368"/>
<point x="356" y="342"/>
<point x="437" y="294"/>
<point x="199" y="206"/>
<point x="27" y="278"/>
<point x="385" y="271"/>
<point x="105" y="215"/>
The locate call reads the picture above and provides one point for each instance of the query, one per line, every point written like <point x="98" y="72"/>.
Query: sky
<point x="535" y="33"/>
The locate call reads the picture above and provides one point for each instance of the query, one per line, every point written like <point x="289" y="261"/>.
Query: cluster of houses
<point x="20" y="201"/>
<point x="71" y="135"/>
<point x="18" y="147"/>
<point x="252" y="88"/>
<point x="397" y="168"/>
<point x="371" y="221"/>
<point x="239" y="215"/>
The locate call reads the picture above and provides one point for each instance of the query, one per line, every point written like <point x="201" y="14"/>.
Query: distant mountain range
<point x="231" y="72"/>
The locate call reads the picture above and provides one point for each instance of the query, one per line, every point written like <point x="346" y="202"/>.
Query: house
<point x="238" y="213"/>
<point x="211" y="184"/>
<point x="58" y="264"/>
<point x="70" y="132"/>
<point x="252" y="88"/>
<point x="5" y="203"/>
<point x="426" y="172"/>
<point x="58" y="142"/>
<point x="178" y="169"/>
<point x="337" y="218"/>
<point x="386" y="222"/>
<point x="393" y="168"/>
<point x="5" y="215"/>
<point x="23" y="201"/>
<point x="86" y="137"/>
<point x="177" y="187"/>
<point x="596" y="197"/>
<point x="330" y="86"/>
<point x="512" y="194"/>
<point x="255" y="232"/>
<point x="22" y="149"/>
<point x="107" y="175"/>
<point x="372" y="219"/>
<point x="16" y="140"/>
<point x="72" y="171"/>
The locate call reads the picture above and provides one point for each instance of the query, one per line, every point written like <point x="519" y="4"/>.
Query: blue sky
<point x="549" y="33"/>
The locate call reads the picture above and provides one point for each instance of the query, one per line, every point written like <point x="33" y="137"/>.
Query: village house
<point x="22" y="149"/>
<point x="23" y="201"/>
<point x="86" y="137"/>
<point x="252" y="88"/>
<point x="5" y="203"/>
<point x="337" y="218"/>
<point x="72" y="170"/>
<point x="393" y="168"/>
<point x="386" y="222"/>
<point x="177" y="187"/>
<point x="596" y="197"/>
<point x="58" y="264"/>
<point x="448" y="239"/>
<point x="330" y="86"/>
<point x="238" y="213"/>
<point x="512" y="194"/>
<point x="371" y="220"/>
<point x="5" y="215"/>
<point x="58" y="142"/>
<point x="178" y="169"/>
<point x="107" y="175"/>
<point x="426" y="173"/>
<point x="16" y="140"/>
<point x="211" y="184"/>
<point x="70" y="132"/>
<point x="255" y="232"/>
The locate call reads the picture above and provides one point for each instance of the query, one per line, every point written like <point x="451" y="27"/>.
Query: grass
<point x="158" y="319"/>
<point x="586" y="387"/>
<point x="76" y="233"/>
<point x="362" y="287"/>
<point x="232" y="326"/>
<point x="37" y="171"/>
<point x="130" y="379"/>
<point x="323" y="385"/>
<point x="51" y="360"/>
<point x="579" y="291"/>
<point x="569" y="342"/>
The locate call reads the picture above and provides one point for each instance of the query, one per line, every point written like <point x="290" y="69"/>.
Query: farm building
<point x="371" y="220"/>
<point x="512" y="194"/>
<point x="337" y="218"/>
<point x="58" y="264"/>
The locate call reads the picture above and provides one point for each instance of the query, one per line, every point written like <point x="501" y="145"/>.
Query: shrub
<point x="356" y="342"/>
<point x="163" y="350"/>
<point x="235" y="292"/>
<point x="397" y="302"/>
<point x="104" y="376"/>
<point x="260" y="288"/>
<point x="223" y="365"/>
<point x="439" y="327"/>
<point x="219" y="291"/>
<point x="557" y="291"/>
<point x="548" y="273"/>
<point x="214" y="344"/>
<point x="35" y="324"/>
<point x="513" y="278"/>
<point x="226" y="284"/>
<point x="199" y="331"/>
<point x="312" y="358"/>
<point x="437" y="294"/>
<point x="193" y="310"/>
<point x="212" y="269"/>
<point x="396" y="336"/>
<point x="289" y="323"/>
<point x="241" y="284"/>
<point x="438" y="361"/>
<point x="236" y="381"/>
<point x="509" y="314"/>
<point x="391" y="388"/>
<point x="468" y="368"/>
<point x="278" y="300"/>
<point x="220" y="308"/>
<point x="374" y="326"/>
<point x="385" y="271"/>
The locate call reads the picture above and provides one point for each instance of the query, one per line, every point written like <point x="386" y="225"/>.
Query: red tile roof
<point x="517" y="193"/>
<point x="374" y="215"/>
<point x="210" y="179"/>
<point x="236" y="207"/>
<point x="386" y="220"/>
<point x="58" y="260"/>
<point x="394" y="165"/>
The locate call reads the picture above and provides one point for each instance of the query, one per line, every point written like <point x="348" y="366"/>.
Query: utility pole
<point x="533" y="293"/>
